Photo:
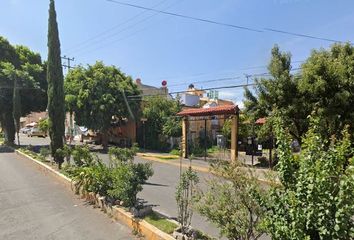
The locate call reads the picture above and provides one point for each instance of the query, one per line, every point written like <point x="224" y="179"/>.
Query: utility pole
<point x="68" y="67"/>
<point x="247" y="76"/>
<point x="68" y="60"/>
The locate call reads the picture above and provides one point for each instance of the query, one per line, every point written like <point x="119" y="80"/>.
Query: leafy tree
<point x="280" y="91"/>
<point x="19" y="64"/>
<point x="102" y="94"/>
<point x="327" y="83"/>
<point x="56" y="111"/>
<point x="161" y="119"/>
<point x="315" y="199"/>
<point x="232" y="203"/>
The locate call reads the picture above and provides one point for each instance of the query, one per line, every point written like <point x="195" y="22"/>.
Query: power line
<point x="229" y="78"/>
<point x="185" y="16"/>
<point x="105" y="34"/>
<point x="205" y="89"/>
<point x="129" y="27"/>
<point x="262" y="30"/>
<point x="99" y="35"/>
<point x="68" y="59"/>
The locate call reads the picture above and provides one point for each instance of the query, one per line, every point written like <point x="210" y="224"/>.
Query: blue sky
<point x="155" y="47"/>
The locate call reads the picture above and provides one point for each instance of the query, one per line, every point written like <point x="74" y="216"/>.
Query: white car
<point x="36" y="132"/>
<point x="25" y="130"/>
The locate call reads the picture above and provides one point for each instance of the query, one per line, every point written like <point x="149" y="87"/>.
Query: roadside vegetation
<point x="161" y="223"/>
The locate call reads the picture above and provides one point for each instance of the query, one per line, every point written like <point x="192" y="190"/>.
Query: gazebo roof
<point x="211" y="111"/>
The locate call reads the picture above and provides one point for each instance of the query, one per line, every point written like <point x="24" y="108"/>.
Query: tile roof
<point x="218" y="110"/>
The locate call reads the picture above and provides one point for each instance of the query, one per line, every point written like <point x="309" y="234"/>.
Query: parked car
<point x="36" y="132"/>
<point x="25" y="130"/>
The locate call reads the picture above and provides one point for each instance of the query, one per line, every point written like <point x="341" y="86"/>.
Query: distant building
<point x="147" y="90"/>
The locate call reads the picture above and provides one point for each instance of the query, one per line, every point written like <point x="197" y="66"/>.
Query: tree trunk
<point x="8" y="126"/>
<point x="104" y="138"/>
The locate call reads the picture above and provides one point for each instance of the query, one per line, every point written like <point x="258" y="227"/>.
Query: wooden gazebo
<point x="229" y="110"/>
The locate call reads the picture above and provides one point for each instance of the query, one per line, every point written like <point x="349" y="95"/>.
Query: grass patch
<point x="161" y="223"/>
<point x="175" y="152"/>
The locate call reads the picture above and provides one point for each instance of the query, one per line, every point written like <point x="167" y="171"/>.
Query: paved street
<point x="36" y="206"/>
<point x="160" y="189"/>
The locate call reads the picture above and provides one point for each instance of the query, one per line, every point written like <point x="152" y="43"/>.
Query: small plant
<point x="119" y="155"/>
<point x="44" y="153"/>
<point x="175" y="152"/>
<point x="65" y="152"/>
<point x="82" y="156"/>
<point x="184" y="196"/>
<point x="44" y="125"/>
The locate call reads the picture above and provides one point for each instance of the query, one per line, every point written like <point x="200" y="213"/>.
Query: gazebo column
<point x="234" y="137"/>
<point x="185" y="137"/>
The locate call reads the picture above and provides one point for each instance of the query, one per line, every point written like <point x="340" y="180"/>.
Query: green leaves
<point x="98" y="95"/>
<point x="185" y="193"/>
<point x="233" y="202"/>
<point x="315" y="199"/>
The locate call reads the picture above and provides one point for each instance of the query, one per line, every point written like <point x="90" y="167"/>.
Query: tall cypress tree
<point x="55" y="79"/>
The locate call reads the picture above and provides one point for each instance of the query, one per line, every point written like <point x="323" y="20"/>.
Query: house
<point x="195" y="98"/>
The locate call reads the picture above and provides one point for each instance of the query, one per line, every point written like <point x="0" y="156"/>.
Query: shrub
<point x="95" y="178"/>
<point x="175" y="152"/>
<point x="315" y="200"/>
<point x="117" y="155"/>
<point x="184" y="196"/>
<point x="127" y="180"/>
<point x="82" y="156"/>
<point x="44" y="153"/>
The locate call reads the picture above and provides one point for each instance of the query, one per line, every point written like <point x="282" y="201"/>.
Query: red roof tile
<point x="218" y="110"/>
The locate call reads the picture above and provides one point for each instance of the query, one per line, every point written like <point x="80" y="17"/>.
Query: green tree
<point x="19" y="64"/>
<point x="327" y="84"/>
<point x="161" y="119"/>
<point x="55" y="79"/>
<point x="280" y="91"/>
<point x="315" y="198"/>
<point x="102" y="93"/>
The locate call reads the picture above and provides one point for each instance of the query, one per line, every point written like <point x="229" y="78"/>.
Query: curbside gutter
<point x="139" y="226"/>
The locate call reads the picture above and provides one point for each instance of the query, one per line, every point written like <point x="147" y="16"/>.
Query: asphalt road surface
<point x="160" y="189"/>
<point x="37" y="206"/>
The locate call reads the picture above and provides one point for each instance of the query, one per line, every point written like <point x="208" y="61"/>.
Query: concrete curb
<point x="140" y="226"/>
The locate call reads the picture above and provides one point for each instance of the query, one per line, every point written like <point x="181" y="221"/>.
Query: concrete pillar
<point x="234" y="138"/>
<point x="185" y="137"/>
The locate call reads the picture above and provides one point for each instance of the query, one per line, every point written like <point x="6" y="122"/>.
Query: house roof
<point x="218" y="110"/>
